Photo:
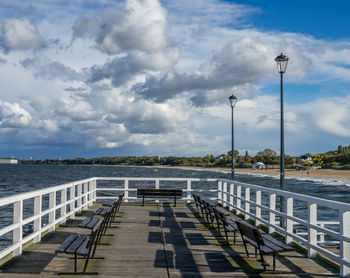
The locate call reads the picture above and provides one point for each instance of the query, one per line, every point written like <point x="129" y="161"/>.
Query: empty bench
<point x="158" y="194"/>
<point x="82" y="245"/>
<point x="262" y="242"/>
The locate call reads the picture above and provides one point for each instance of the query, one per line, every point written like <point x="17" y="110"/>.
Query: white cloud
<point x="20" y="34"/>
<point x="13" y="116"/>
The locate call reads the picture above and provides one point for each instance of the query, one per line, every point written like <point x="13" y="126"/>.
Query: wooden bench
<point x="82" y="245"/>
<point x="262" y="242"/>
<point x="229" y="225"/>
<point x="151" y="193"/>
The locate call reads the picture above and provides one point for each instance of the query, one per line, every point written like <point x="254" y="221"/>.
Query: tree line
<point x="339" y="158"/>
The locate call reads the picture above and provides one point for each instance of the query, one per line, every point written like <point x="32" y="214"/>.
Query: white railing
<point x="259" y="204"/>
<point x="53" y="204"/>
<point x="253" y="202"/>
<point x="130" y="185"/>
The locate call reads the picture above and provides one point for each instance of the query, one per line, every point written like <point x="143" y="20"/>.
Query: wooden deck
<point x="159" y="241"/>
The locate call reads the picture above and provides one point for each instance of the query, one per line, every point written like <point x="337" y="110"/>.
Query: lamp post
<point x="233" y="100"/>
<point x="282" y="61"/>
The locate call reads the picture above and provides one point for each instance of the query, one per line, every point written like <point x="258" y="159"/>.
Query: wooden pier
<point x="159" y="241"/>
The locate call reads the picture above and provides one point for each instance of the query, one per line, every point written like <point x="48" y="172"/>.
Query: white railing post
<point x="224" y="203"/>
<point x="189" y="191"/>
<point x="232" y="190"/>
<point x="220" y="192"/>
<point x="86" y="195"/>
<point x="322" y="225"/>
<point x="345" y="246"/>
<point x="72" y="200"/>
<point x="63" y="202"/>
<point x="17" y="233"/>
<point x="52" y="205"/>
<point x="37" y="222"/>
<point x="157" y="187"/>
<point x="239" y="195"/>
<point x="257" y="208"/>
<point x="126" y="191"/>
<point x="88" y="192"/>
<point x="272" y="215"/>
<point x="79" y="197"/>
<point x="289" y="222"/>
<point x="94" y="188"/>
<point x="247" y="204"/>
<point x="312" y="233"/>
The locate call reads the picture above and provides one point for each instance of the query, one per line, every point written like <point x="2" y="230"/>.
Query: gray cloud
<point x="20" y="34"/>
<point x="85" y="27"/>
<point x="121" y="70"/>
<point x="45" y="68"/>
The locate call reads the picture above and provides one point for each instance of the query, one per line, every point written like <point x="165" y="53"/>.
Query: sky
<point x="153" y="77"/>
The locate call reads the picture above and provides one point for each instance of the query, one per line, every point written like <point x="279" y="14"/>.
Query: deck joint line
<point x="163" y="242"/>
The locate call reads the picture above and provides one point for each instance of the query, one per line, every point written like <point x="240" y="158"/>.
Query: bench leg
<point x="226" y="236"/>
<point x="245" y="247"/>
<point x="263" y="263"/>
<point x="175" y="201"/>
<point x="143" y="200"/>
<point x="274" y="261"/>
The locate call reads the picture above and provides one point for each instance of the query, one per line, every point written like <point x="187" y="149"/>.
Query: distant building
<point x="8" y="161"/>
<point x="259" y="166"/>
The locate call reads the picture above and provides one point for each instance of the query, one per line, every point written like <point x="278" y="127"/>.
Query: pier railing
<point x="27" y="216"/>
<point x="260" y="205"/>
<point x="299" y="221"/>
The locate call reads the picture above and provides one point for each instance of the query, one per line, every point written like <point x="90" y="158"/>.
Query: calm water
<point x="15" y="179"/>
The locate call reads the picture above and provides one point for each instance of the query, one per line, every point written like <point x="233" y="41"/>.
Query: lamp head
<point x="233" y="100"/>
<point x="282" y="61"/>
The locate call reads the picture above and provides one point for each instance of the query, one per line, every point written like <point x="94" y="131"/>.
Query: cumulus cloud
<point x="20" y="34"/>
<point x="139" y="25"/>
<point x="234" y="65"/>
<point x="13" y="116"/>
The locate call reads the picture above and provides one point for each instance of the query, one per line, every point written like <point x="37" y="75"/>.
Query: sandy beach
<point x="324" y="173"/>
<point x="321" y="173"/>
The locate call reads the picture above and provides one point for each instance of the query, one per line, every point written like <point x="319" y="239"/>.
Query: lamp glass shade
<point x="282" y="61"/>
<point x="233" y="100"/>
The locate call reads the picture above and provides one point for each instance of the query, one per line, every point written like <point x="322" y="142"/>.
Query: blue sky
<point x="153" y="77"/>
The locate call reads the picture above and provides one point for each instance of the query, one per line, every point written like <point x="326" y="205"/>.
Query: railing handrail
<point x="320" y="201"/>
<point x="27" y="195"/>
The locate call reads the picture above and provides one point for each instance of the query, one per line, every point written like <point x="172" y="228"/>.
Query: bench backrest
<point x="250" y="232"/>
<point x="159" y="192"/>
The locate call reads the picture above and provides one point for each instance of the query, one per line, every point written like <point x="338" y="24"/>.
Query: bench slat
<point x="85" y="222"/>
<point x="66" y="243"/>
<point x="84" y="247"/>
<point x="98" y="211"/>
<point x="92" y="223"/>
<point x="76" y="244"/>
<point x="282" y="245"/>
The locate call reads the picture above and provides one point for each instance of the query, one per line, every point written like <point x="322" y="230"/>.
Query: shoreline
<point x="319" y="173"/>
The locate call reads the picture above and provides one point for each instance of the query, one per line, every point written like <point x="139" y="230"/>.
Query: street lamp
<point x="282" y="61"/>
<point x="233" y="100"/>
